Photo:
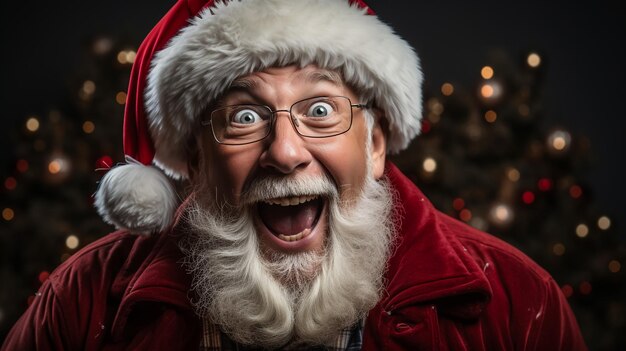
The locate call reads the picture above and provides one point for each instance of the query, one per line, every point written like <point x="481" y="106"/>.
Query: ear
<point x="193" y="157"/>
<point x="379" y="144"/>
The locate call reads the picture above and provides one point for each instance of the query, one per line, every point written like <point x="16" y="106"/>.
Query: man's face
<point x="284" y="153"/>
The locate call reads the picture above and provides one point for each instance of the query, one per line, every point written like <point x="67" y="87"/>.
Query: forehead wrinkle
<point x="251" y="84"/>
<point x="323" y="75"/>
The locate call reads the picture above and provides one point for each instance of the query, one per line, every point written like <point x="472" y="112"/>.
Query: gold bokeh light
<point x="88" y="127"/>
<point x="429" y="165"/>
<point x="486" y="72"/>
<point x="447" y="89"/>
<point x="32" y="124"/>
<point x="533" y="59"/>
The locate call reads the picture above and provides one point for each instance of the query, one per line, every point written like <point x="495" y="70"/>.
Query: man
<point x="297" y="234"/>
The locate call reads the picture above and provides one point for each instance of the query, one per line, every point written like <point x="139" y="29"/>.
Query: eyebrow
<point x="243" y="84"/>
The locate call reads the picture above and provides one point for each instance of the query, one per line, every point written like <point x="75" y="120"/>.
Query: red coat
<point x="449" y="287"/>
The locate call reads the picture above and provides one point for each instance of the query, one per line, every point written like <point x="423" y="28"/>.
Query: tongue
<point x="289" y="220"/>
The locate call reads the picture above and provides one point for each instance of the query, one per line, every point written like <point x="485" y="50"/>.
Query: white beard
<point x="275" y="299"/>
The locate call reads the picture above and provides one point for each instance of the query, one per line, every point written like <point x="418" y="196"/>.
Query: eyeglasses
<point x="317" y="117"/>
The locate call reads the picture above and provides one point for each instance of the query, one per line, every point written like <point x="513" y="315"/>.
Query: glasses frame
<point x="294" y="121"/>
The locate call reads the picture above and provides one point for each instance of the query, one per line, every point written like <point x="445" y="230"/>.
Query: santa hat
<point x="200" y="47"/>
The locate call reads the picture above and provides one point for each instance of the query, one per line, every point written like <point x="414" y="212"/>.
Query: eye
<point x="320" y="109"/>
<point x="246" y="116"/>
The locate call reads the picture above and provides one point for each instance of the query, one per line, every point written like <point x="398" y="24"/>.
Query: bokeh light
<point x="55" y="166"/>
<point x="533" y="59"/>
<point x="604" y="223"/>
<point x="575" y="191"/>
<point x="585" y="288"/>
<point x="22" y="166"/>
<point x="8" y="214"/>
<point x="582" y="230"/>
<point x="126" y="56"/>
<point x="447" y="89"/>
<point x="102" y="46"/>
<point x="465" y="215"/>
<point x="513" y="174"/>
<point x="89" y="127"/>
<point x="72" y="242"/>
<point x="32" y="124"/>
<point x="486" y="72"/>
<point x="528" y="197"/>
<point x="10" y="183"/>
<point x="487" y="90"/>
<point x="43" y="276"/>
<point x="567" y="290"/>
<point x="544" y="184"/>
<point x="559" y="141"/>
<point x="558" y="249"/>
<point x="490" y="91"/>
<point x="458" y="204"/>
<point x="58" y="166"/>
<point x="429" y="165"/>
<point x="501" y="215"/>
<point x="89" y="87"/>
<point x="491" y="116"/>
<point x="120" y="98"/>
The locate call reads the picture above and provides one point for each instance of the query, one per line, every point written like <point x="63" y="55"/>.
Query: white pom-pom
<point x="136" y="197"/>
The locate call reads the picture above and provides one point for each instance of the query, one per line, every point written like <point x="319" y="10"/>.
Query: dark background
<point x="582" y="46"/>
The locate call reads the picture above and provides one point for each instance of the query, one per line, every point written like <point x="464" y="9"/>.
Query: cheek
<point x="345" y="159"/>
<point x="231" y="168"/>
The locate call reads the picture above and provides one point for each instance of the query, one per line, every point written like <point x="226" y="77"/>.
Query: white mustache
<point x="272" y="187"/>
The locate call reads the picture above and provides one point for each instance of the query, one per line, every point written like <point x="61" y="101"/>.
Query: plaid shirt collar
<point x="349" y="339"/>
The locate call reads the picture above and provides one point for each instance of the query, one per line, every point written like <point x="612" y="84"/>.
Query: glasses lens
<point x="241" y="124"/>
<point x="322" y="116"/>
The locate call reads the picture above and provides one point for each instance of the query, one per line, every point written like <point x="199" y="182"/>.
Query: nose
<point x="285" y="150"/>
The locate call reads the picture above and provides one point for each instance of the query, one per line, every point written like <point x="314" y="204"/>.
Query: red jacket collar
<point x="429" y="263"/>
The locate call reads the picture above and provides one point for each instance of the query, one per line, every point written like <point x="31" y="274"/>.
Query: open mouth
<point x="291" y="218"/>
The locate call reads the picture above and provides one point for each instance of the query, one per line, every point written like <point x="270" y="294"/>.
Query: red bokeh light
<point x="568" y="291"/>
<point x="10" y="183"/>
<point x="528" y="197"/>
<point x="465" y="215"/>
<point x="575" y="191"/>
<point x="585" y="288"/>
<point x="458" y="204"/>
<point x="544" y="184"/>
<point x="22" y="166"/>
<point x="43" y="276"/>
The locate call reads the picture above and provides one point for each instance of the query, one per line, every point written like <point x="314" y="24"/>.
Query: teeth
<point x="290" y="201"/>
<point x="295" y="237"/>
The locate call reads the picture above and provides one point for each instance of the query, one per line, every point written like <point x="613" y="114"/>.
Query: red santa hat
<point x="200" y="47"/>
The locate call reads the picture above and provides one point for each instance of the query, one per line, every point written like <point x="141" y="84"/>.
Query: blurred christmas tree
<point x="47" y="205"/>
<point x="485" y="157"/>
